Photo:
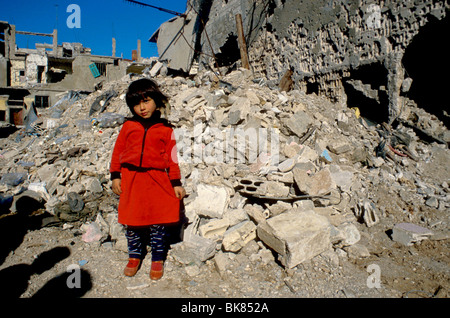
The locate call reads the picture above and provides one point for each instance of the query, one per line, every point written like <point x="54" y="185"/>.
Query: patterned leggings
<point x="139" y="237"/>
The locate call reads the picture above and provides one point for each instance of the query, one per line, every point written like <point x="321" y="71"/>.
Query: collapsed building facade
<point x="368" y="54"/>
<point x="40" y="76"/>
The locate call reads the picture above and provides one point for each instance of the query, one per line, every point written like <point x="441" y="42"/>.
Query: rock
<point x="357" y="251"/>
<point x="408" y="233"/>
<point x="432" y="202"/>
<point x="211" y="201"/>
<point x="256" y="213"/>
<point x="197" y="249"/>
<point x="238" y="236"/>
<point x="222" y="262"/>
<point x="296" y="235"/>
<point x="350" y="234"/>
<point x="92" y="185"/>
<point x="320" y="183"/>
<point x="342" y="178"/>
<point x="273" y="189"/>
<point x="339" y="147"/>
<point x="214" y="228"/>
<point x="287" y="165"/>
<point x="192" y="270"/>
<point x="299" y="123"/>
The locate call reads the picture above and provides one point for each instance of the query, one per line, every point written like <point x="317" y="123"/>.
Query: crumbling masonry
<point x="353" y="51"/>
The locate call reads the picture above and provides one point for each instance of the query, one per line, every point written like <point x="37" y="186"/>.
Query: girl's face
<point x="145" y="108"/>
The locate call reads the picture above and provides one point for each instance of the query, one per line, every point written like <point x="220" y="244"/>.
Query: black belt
<point x="140" y="169"/>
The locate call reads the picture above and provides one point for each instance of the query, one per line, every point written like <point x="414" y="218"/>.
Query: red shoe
<point x="157" y="270"/>
<point x="132" y="267"/>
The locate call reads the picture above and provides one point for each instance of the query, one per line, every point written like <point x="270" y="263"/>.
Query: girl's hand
<point x="116" y="186"/>
<point x="179" y="192"/>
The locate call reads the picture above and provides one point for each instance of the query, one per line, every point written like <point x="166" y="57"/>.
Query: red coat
<point x="145" y="158"/>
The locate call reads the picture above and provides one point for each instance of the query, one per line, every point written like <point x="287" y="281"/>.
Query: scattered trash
<point x="82" y="262"/>
<point x="109" y="120"/>
<point x="92" y="232"/>
<point x="13" y="179"/>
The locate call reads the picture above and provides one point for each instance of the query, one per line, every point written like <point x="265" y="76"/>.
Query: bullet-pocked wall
<point x="327" y="43"/>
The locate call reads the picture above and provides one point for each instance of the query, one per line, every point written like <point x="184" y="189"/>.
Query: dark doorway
<point x="366" y="89"/>
<point x="426" y="62"/>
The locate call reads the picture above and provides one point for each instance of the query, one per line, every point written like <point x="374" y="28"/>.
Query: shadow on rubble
<point x="73" y="284"/>
<point x="13" y="227"/>
<point x="15" y="278"/>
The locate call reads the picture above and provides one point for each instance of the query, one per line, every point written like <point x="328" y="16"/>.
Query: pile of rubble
<point x="268" y="171"/>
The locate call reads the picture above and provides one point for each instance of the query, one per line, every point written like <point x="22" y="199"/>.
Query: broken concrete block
<point x="320" y="183"/>
<point x="279" y="207"/>
<point x="357" y="251"/>
<point x="339" y="147"/>
<point x="197" y="249"/>
<point x="299" y="123"/>
<point x="274" y="189"/>
<point x="92" y="185"/>
<point x="342" y="178"/>
<point x="235" y="216"/>
<point x="307" y="155"/>
<point x="222" y="262"/>
<point x="304" y="205"/>
<point x="281" y="177"/>
<point x="296" y="236"/>
<point x="350" y="234"/>
<point x="408" y="233"/>
<point x="238" y="236"/>
<point x="291" y="150"/>
<point x="47" y="173"/>
<point x="211" y="201"/>
<point x="287" y="165"/>
<point x="256" y="213"/>
<point x="92" y="232"/>
<point x="156" y="68"/>
<point x="214" y="228"/>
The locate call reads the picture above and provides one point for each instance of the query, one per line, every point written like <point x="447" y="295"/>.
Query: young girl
<point x="146" y="175"/>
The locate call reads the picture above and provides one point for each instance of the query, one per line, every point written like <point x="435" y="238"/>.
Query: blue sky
<point x="100" y="21"/>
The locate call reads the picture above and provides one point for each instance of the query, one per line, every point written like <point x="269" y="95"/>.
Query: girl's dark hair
<point x="144" y="88"/>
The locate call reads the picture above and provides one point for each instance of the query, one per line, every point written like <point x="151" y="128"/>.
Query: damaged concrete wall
<point x="220" y="34"/>
<point x="323" y="42"/>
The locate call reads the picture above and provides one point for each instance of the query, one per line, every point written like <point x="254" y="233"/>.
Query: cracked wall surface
<point x="324" y="41"/>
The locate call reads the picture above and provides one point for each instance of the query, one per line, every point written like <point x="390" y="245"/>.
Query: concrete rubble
<point x="307" y="179"/>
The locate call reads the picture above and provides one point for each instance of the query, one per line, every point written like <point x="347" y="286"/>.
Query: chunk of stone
<point x="214" y="228"/>
<point x="299" y="123"/>
<point x="320" y="183"/>
<point x="238" y="236"/>
<point x="211" y="201"/>
<point x="408" y="233"/>
<point x="274" y="189"/>
<point x="93" y="185"/>
<point x="296" y="236"/>
<point x="357" y="251"/>
<point x="197" y="249"/>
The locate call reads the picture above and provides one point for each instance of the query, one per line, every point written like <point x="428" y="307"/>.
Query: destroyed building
<point x="294" y="177"/>
<point x="40" y="76"/>
<point x="368" y="54"/>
